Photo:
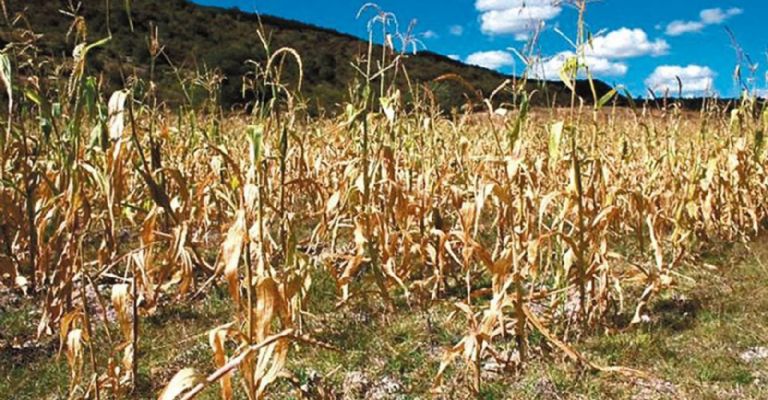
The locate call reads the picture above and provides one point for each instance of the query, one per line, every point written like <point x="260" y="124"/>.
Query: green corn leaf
<point x="89" y="91"/>
<point x="605" y="99"/>
<point x="517" y="128"/>
<point x="255" y="135"/>
<point x="128" y="11"/>
<point x="98" y="43"/>
<point x="555" y="137"/>
<point x="570" y="66"/>
<point x="34" y="97"/>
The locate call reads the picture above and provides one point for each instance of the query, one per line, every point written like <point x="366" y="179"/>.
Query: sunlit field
<point x="385" y="248"/>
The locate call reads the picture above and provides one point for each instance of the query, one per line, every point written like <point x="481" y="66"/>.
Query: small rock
<point x="493" y="369"/>
<point x="386" y="388"/>
<point x="754" y="354"/>
<point x="545" y="389"/>
<point x="355" y="385"/>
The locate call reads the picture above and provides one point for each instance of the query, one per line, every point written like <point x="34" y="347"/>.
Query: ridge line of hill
<point x="204" y="38"/>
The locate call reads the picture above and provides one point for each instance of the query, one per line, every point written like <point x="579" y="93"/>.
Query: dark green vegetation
<point x="692" y="347"/>
<point x="217" y="43"/>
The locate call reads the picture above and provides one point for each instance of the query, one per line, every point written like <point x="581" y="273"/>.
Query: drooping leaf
<point x="184" y="380"/>
<point x="231" y="251"/>
<point x="116" y="110"/>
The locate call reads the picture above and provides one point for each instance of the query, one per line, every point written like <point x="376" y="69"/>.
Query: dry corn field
<point x="528" y="228"/>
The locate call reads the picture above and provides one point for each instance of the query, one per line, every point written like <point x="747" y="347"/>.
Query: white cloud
<point x="429" y="35"/>
<point x="454" y="57"/>
<point x="677" y="28"/>
<point x="626" y="43"/>
<point x="550" y="68"/>
<point x="695" y="79"/>
<point x="710" y="16"/>
<point x="515" y="16"/>
<point x="456" y="30"/>
<point x="762" y="93"/>
<point x="604" y="53"/>
<point x="494" y="59"/>
<point x="522" y="37"/>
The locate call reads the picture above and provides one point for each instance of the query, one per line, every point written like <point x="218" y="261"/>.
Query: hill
<point x="200" y="38"/>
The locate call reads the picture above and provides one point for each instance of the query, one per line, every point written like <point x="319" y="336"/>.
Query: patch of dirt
<point x="656" y="389"/>
<point x="359" y="386"/>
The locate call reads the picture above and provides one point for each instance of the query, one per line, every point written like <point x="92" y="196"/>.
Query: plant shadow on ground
<point x="696" y="336"/>
<point x="692" y="346"/>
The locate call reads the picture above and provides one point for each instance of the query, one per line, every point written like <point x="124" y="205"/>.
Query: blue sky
<point x="640" y="44"/>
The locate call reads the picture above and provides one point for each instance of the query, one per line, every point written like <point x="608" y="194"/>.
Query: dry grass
<point x="520" y="234"/>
